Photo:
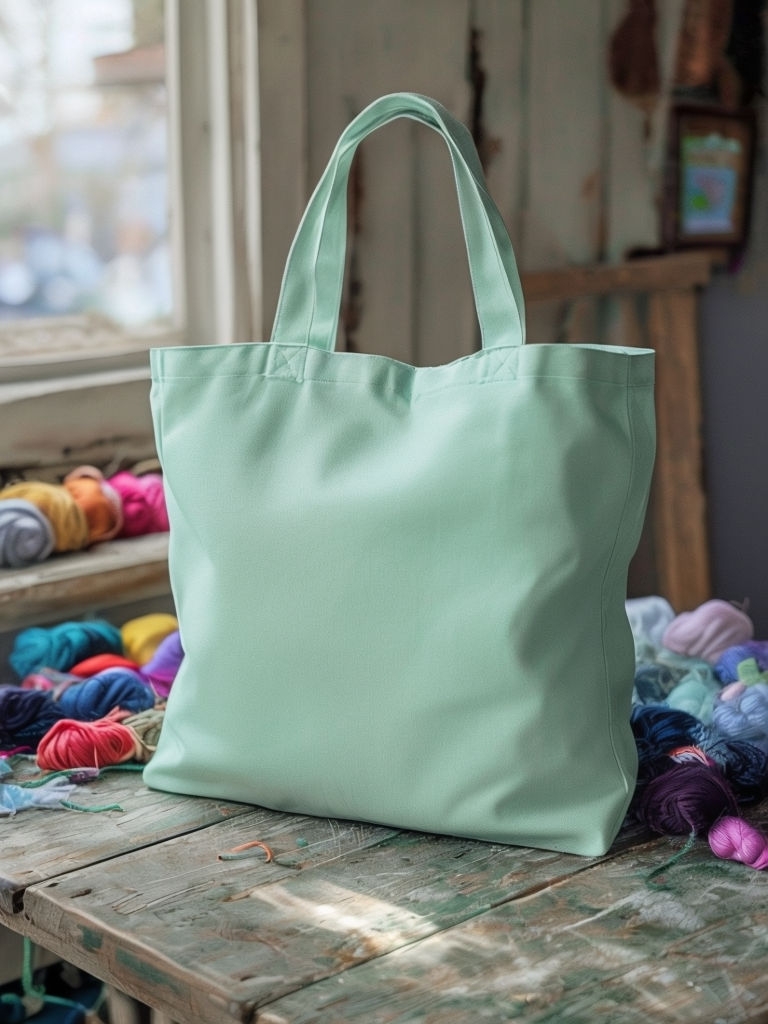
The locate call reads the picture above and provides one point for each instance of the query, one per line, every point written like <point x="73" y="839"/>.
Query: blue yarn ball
<point x="727" y="667"/>
<point x="659" y="729"/>
<point x="60" y="647"/>
<point x="112" y="688"/>
<point x="745" y="766"/>
<point x="744" y="717"/>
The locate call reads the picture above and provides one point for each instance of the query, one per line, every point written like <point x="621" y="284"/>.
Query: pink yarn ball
<point x="707" y="631"/>
<point x="733" y="839"/>
<point x="143" y="501"/>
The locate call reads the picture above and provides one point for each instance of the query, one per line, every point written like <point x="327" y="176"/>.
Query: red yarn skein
<point x="71" y="744"/>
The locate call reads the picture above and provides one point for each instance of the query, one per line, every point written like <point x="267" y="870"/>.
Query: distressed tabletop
<point x="357" y="923"/>
<point x="38" y="845"/>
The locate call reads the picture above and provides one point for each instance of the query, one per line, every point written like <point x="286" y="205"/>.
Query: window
<point x="129" y="213"/>
<point x="85" y="248"/>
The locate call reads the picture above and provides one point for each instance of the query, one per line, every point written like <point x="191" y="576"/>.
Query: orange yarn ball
<point x="100" y="503"/>
<point x="67" y="519"/>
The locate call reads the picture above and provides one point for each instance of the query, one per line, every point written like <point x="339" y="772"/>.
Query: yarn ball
<point x="653" y="683"/>
<point x="727" y="667"/>
<point x="98" y="662"/>
<point x="62" y="646"/>
<point x="113" y="688"/>
<point x="26" y="535"/>
<point x="708" y="631"/>
<point x="49" y="679"/>
<point x="161" y="670"/>
<point x="146" y="727"/>
<point x="67" y="519"/>
<point x="695" y="695"/>
<point x="733" y="839"/>
<point x="142" y="636"/>
<point x="143" y="501"/>
<point x="745" y="716"/>
<point x="648" y="618"/>
<point x="744" y="765"/>
<point x="72" y="744"/>
<point x="101" y="504"/>
<point x="658" y="729"/>
<point x="686" y="798"/>
<point x="25" y="716"/>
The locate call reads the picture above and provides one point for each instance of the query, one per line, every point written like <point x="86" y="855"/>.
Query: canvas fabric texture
<point x="401" y="590"/>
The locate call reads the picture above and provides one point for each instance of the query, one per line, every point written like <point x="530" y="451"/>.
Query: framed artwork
<point x="709" y="184"/>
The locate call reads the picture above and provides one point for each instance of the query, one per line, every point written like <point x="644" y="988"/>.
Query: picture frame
<point x="709" y="181"/>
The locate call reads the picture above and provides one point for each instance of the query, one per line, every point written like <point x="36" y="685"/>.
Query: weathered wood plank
<point x="112" y="573"/>
<point x="679" y="507"/>
<point x="38" y="845"/>
<point x="101" y="418"/>
<point x="610" y="944"/>
<point x="209" y="940"/>
<point x="649" y="274"/>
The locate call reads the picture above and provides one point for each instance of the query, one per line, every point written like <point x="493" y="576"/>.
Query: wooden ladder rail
<point x="677" y="519"/>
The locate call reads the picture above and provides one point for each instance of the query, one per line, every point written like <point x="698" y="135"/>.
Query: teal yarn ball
<point x="60" y="647"/>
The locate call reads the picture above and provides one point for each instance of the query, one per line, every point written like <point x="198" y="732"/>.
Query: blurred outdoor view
<point x="83" y="161"/>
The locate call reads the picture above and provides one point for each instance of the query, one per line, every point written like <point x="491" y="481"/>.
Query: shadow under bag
<point x="401" y="589"/>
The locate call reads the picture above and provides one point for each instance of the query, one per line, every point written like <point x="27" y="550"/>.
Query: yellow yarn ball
<point x="142" y="636"/>
<point x="67" y="519"/>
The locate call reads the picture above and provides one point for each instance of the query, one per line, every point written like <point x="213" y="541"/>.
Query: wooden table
<point x="356" y="923"/>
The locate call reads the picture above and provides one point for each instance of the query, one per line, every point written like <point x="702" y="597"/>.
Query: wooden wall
<point x="573" y="166"/>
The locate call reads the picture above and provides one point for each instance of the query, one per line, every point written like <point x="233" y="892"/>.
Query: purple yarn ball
<point x="160" y="671"/>
<point x="686" y="798"/>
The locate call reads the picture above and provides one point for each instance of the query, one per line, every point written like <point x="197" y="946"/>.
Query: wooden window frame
<point x="84" y="395"/>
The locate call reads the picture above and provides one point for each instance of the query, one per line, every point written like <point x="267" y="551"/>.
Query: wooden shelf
<point x="113" y="573"/>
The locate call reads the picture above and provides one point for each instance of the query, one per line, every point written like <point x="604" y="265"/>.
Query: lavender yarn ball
<point x="26" y="535"/>
<point x="160" y="671"/>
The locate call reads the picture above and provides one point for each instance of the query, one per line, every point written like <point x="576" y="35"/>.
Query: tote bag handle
<point x="310" y="295"/>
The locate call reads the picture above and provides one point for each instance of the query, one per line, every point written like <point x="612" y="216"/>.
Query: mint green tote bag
<point x="401" y="589"/>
